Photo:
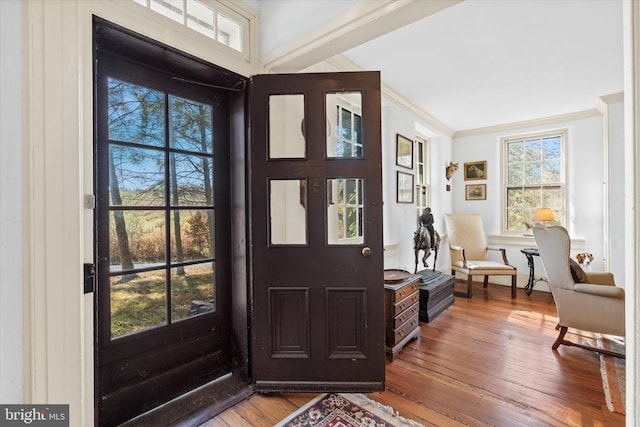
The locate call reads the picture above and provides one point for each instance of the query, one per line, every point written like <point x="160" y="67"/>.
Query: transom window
<point x="534" y="177"/>
<point x="206" y="17"/>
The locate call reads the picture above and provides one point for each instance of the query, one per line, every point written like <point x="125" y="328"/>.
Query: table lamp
<point x="543" y="215"/>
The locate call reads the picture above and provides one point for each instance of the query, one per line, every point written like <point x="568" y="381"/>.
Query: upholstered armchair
<point x="470" y="253"/>
<point x="597" y="305"/>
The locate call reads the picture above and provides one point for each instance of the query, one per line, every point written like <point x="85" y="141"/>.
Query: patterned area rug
<point x="345" y="410"/>
<point x="613" y="373"/>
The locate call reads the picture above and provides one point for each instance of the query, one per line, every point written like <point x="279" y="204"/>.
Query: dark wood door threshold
<point x="197" y="406"/>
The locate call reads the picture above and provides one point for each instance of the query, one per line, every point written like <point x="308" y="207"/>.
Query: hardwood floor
<point x="485" y="361"/>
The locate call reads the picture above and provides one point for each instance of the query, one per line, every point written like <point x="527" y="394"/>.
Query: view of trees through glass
<point x="161" y="194"/>
<point x="535" y="178"/>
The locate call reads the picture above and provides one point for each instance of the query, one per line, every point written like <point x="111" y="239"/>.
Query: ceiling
<point x="481" y="63"/>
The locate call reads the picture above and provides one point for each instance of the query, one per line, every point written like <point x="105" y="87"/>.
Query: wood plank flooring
<point x="485" y="361"/>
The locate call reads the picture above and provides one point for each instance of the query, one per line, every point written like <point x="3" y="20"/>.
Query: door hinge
<point x="89" y="278"/>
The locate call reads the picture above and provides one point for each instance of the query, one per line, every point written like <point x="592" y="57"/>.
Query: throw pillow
<point x="578" y="274"/>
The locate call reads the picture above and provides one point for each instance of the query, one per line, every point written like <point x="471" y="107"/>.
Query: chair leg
<point x="514" y="286"/>
<point x="560" y="339"/>
<point x="469" y="286"/>
<point x="485" y="283"/>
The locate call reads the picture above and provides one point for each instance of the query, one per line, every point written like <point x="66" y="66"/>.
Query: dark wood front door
<point x="163" y="237"/>
<point x="316" y="232"/>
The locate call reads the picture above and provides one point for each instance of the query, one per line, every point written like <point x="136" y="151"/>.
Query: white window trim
<point x="503" y="181"/>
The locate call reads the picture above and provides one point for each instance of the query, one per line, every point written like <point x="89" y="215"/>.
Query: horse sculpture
<point x="422" y="242"/>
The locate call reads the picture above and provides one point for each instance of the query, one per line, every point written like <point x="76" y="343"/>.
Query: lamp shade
<point x="543" y="214"/>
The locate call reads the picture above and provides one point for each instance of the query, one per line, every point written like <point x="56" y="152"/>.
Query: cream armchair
<point x="595" y="306"/>
<point x="470" y="253"/>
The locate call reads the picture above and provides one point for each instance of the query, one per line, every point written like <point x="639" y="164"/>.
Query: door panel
<point x="316" y="195"/>
<point x="163" y="245"/>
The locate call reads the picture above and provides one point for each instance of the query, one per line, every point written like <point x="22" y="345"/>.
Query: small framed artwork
<point x="475" y="170"/>
<point x="476" y="192"/>
<point x="405" y="188"/>
<point x="404" y="152"/>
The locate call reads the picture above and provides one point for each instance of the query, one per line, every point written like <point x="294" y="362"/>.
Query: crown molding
<point x="342" y="63"/>
<point x="605" y="100"/>
<point x="527" y="123"/>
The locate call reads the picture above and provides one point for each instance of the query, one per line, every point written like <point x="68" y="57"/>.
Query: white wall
<point x="400" y="219"/>
<point x="616" y="190"/>
<point x="584" y="178"/>
<point x="11" y="328"/>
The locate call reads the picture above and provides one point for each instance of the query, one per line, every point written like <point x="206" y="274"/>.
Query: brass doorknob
<point x="366" y="252"/>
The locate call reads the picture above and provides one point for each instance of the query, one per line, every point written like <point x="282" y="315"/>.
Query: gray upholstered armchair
<point x="470" y="253"/>
<point x="596" y="305"/>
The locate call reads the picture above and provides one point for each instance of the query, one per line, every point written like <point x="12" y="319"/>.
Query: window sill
<point x="526" y="240"/>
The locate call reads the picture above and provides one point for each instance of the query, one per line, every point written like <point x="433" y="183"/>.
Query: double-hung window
<point x="422" y="176"/>
<point x="533" y="177"/>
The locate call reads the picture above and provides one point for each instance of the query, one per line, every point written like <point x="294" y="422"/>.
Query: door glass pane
<point x="136" y="113"/>
<point x="287" y="212"/>
<point x="161" y="201"/>
<point x="196" y="238"/>
<point x="345" y="211"/>
<point x="138" y="301"/>
<point x="192" y="291"/>
<point x="191" y="178"/>
<point x="344" y="118"/>
<point x="286" y="127"/>
<point x="137" y="239"/>
<point x="191" y="125"/>
<point x="136" y="176"/>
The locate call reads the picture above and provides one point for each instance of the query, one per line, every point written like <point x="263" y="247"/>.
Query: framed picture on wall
<point x="475" y="170"/>
<point x="404" y="152"/>
<point x="404" y="188"/>
<point x="476" y="192"/>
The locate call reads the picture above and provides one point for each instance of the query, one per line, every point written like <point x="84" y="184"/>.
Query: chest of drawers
<point x="402" y="310"/>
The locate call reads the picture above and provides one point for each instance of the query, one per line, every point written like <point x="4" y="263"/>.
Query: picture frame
<point x="475" y="192"/>
<point x="475" y="170"/>
<point x="404" y="151"/>
<point x="404" y="189"/>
